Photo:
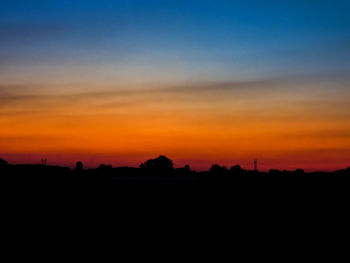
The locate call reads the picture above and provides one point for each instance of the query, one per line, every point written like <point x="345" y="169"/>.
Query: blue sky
<point x="195" y="39"/>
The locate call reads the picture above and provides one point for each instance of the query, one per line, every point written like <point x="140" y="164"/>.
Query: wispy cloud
<point x="38" y="96"/>
<point x="22" y="93"/>
<point x="31" y="31"/>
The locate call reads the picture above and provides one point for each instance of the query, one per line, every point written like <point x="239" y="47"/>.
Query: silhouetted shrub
<point x="299" y="172"/>
<point x="218" y="170"/>
<point x="79" y="166"/>
<point x="236" y="169"/>
<point x="215" y="168"/>
<point x="162" y="163"/>
<point x="224" y="169"/>
<point x="275" y="172"/>
<point x="105" y="167"/>
<point x="3" y="163"/>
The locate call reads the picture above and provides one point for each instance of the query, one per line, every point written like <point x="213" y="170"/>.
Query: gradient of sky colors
<point x="202" y="82"/>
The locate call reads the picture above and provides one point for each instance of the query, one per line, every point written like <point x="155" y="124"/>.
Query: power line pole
<point x="256" y="165"/>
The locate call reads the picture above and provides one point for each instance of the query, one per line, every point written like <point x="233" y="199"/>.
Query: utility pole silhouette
<point x="43" y="161"/>
<point x="256" y="165"/>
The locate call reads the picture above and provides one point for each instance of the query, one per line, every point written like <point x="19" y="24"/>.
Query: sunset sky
<point x="202" y="82"/>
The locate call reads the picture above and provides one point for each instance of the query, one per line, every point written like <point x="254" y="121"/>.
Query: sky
<point x="202" y="82"/>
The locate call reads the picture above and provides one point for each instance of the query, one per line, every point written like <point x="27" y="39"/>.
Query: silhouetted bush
<point x="275" y="172"/>
<point x="162" y="163"/>
<point x="236" y="170"/>
<point x="79" y="166"/>
<point x="299" y="172"/>
<point x="215" y="168"/>
<point x="105" y="167"/>
<point x="3" y="163"/>
<point x="218" y="170"/>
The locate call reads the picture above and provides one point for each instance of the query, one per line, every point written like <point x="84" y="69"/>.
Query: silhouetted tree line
<point x="160" y="168"/>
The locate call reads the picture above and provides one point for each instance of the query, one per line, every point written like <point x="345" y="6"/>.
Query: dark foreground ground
<point x="235" y="180"/>
<point x="255" y="200"/>
<point x="138" y="205"/>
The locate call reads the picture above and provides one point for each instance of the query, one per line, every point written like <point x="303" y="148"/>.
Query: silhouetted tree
<point x="218" y="170"/>
<point x="161" y="163"/>
<point x="105" y="167"/>
<point x="215" y="169"/>
<point x="2" y="163"/>
<point x="187" y="168"/>
<point x="299" y="172"/>
<point x="236" y="169"/>
<point x="79" y="166"/>
<point x="275" y="172"/>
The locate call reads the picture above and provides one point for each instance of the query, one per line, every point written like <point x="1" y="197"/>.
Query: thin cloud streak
<point x="34" y="95"/>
